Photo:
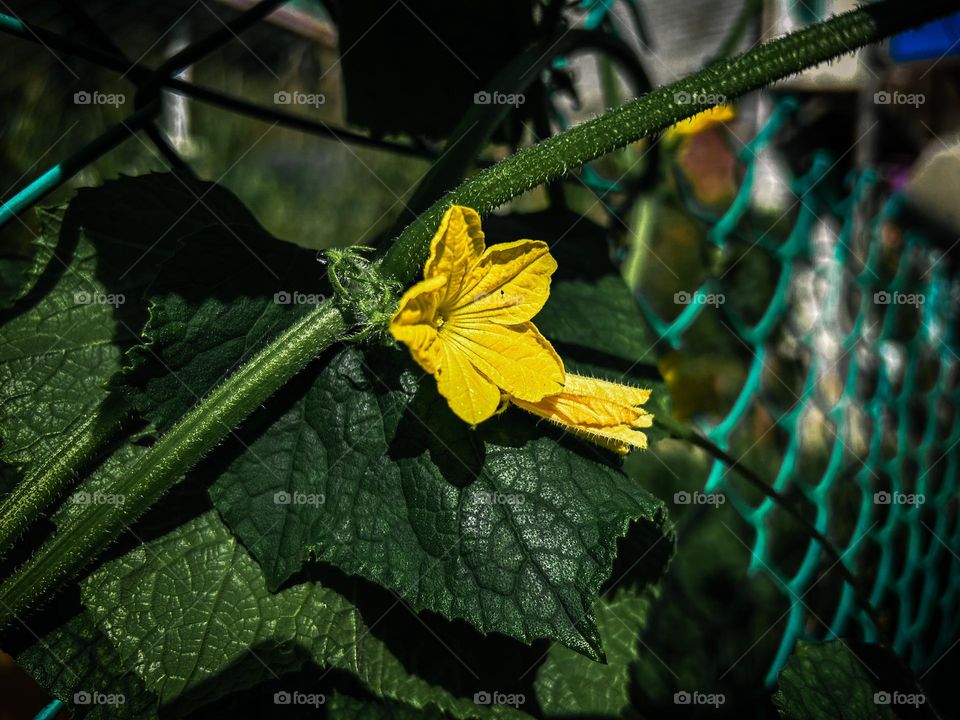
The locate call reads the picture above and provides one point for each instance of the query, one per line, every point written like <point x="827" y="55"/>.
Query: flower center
<point x="440" y="318"/>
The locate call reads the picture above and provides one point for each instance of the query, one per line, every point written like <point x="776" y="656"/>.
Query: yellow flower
<point x="603" y="412"/>
<point x="468" y="322"/>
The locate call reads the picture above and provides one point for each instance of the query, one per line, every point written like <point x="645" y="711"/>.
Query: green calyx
<point x="365" y="296"/>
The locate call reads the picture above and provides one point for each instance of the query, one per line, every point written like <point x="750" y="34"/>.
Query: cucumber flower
<point x="468" y="323"/>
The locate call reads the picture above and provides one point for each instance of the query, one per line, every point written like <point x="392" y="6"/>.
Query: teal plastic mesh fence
<point x="868" y="317"/>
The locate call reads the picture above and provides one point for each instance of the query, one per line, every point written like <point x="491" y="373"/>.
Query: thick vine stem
<point x="54" y="474"/>
<point x="719" y="82"/>
<point x="86" y="534"/>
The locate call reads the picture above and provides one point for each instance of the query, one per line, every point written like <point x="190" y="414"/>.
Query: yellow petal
<point x="455" y="249"/>
<point x="414" y="321"/>
<point x="597" y="410"/>
<point x="471" y="396"/>
<point x="618" y="440"/>
<point x="605" y="390"/>
<point x="517" y="358"/>
<point x="509" y="285"/>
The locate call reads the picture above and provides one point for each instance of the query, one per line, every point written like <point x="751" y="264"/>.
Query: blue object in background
<point x="929" y="42"/>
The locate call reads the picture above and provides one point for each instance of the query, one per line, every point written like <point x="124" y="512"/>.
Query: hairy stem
<point x="45" y="482"/>
<point x="721" y="81"/>
<point x="85" y="535"/>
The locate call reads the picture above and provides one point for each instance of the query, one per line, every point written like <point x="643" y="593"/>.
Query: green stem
<point x="721" y="81"/>
<point x="45" y="482"/>
<point x="84" y="535"/>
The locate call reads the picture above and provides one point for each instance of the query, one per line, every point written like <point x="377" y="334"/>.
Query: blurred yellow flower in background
<point x="698" y="123"/>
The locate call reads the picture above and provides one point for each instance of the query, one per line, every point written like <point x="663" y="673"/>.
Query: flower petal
<point x="603" y="412"/>
<point x="455" y="250"/>
<point x="517" y="358"/>
<point x="619" y="439"/>
<point x="604" y="390"/>
<point x="414" y="321"/>
<point x="509" y="284"/>
<point x="471" y="396"/>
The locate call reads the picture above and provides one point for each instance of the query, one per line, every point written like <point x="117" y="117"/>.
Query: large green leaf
<point x="77" y="664"/>
<point x="84" y="298"/>
<point x="570" y="685"/>
<point x="16" y="277"/>
<point x="597" y="313"/>
<point x="56" y="353"/>
<point x="190" y="613"/>
<point x="368" y="469"/>
<point x="214" y="304"/>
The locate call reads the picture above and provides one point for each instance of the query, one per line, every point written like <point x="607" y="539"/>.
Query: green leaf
<point x="15" y="275"/>
<point x="55" y="355"/>
<point x="827" y="681"/>
<point x="76" y="662"/>
<point x="592" y="317"/>
<point x="218" y="302"/>
<point x="368" y="469"/>
<point x="344" y="707"/>
<point x="568" y="684"/>
<point x="190" y="613"/>
<point x="93" y="265"/>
